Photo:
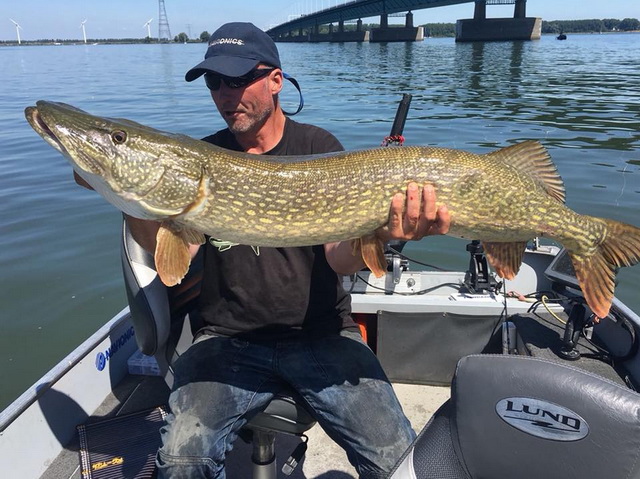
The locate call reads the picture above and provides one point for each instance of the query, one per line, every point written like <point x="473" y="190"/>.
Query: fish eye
<point x="119" y="137"/>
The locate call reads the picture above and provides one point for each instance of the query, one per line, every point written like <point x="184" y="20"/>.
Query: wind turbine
<point x="84" y="33"/>
<point x="148" y="27"/>
<point x="18" y="28"/>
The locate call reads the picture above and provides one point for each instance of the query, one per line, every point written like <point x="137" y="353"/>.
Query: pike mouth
<point x="82" y="160"/>
<point x="37" y="123"/>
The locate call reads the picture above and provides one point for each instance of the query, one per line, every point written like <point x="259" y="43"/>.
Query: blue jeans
<point x="221" y="381"/>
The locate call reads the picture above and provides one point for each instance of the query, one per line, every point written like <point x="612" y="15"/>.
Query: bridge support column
<point x="480" y="10"/>
<point x="408" y="20"/>
<point x="340" y="35"/>
<point x="316" y="36"/>
<point x="498" y="29"/>
<point x="482" y="29"/>
<point x="384" y="20"/>
<point x="293" y="36"/>
<point x="359" y="35"/>
<point x="408" y="33"/>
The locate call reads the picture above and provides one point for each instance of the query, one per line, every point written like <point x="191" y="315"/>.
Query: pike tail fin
<point x="596" y="273"/>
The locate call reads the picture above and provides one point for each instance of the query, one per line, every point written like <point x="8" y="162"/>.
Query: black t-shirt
<point x="273" y="292"/>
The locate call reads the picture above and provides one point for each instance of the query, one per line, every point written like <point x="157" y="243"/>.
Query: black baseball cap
<point x="234" y="50"/>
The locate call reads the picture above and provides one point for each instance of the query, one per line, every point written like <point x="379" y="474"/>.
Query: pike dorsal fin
<point x="532" y="158"/>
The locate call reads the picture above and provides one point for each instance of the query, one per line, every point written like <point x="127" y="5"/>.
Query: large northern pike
<point x="503" y="198"/>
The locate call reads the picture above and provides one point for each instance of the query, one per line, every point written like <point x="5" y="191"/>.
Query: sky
<point x="61" y="19"/>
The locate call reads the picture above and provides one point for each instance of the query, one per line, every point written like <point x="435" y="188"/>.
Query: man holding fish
<point x="280" y="227"/>
<point x="274" y="317"/>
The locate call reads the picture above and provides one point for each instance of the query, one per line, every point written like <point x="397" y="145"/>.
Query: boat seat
<point x="163" y="329"/>
<point x="524" y="417"/>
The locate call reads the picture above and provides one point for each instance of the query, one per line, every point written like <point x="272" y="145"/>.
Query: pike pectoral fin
<point x="505" y="258"/>
<point x="172" y="256"/>
<point x="372" y="249"/>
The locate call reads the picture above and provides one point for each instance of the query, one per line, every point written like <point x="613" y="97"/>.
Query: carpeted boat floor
<point x="121" y="447"/>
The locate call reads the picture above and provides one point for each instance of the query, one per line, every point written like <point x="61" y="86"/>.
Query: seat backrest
<point x="158" y="313"/>
<point x="516" y="416"/>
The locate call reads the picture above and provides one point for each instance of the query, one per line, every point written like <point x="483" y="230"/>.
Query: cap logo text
<point x="226" y="41"/>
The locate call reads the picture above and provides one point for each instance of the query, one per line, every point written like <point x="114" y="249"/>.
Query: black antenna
<point x="395" y="136"/>
<point x="401" y="115"/>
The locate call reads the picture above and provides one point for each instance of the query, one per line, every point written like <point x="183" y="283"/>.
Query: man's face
<point x="246" y="109"/>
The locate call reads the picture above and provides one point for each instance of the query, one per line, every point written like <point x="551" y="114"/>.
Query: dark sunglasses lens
<point x="212" y="81"/>
<point x="236" y="82"/>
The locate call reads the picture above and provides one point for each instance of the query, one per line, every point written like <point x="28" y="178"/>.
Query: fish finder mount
<point x="578" y="319"/>
<point x="396" y="261"/>
<point x="478" y="279"/>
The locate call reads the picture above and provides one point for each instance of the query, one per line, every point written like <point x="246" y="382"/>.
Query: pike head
<point x="144" y="172"/>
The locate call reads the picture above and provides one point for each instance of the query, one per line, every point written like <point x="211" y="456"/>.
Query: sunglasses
<point x="214" y="80"/>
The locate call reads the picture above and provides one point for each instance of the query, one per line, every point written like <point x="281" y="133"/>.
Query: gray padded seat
<point x="527" y="418"/>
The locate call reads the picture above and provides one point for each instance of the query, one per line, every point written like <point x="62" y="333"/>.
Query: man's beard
<point x="249" y="122"/>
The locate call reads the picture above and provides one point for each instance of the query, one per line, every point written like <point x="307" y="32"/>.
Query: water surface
<point x="59" y="244"/>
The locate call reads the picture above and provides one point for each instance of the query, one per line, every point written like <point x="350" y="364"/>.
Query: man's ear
<point x="277" y="81"/>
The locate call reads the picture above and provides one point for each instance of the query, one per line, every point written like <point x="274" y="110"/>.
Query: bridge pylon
<point x="481" y="28"/>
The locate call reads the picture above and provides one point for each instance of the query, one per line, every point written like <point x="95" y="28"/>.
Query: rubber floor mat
<point x="122" y="447"/>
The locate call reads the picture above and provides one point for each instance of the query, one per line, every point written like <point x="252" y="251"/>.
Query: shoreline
<point x="56" y="43"/>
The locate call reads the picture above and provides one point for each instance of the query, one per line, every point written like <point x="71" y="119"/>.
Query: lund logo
<point x="542" y="419"/>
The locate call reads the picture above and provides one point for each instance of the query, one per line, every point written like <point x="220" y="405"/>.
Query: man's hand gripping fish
<point x="503" y="198"/>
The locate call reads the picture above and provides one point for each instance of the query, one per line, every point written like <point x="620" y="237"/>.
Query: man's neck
<point x="267" y="136"/>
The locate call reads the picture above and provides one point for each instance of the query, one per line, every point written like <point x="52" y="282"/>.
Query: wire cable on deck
<point x="403" y="256"/>
<point x="414" y="293"/>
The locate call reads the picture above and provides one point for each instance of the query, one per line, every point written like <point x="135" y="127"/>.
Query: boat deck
<point x="143" y="392"/>
<point x="539" y="333"/>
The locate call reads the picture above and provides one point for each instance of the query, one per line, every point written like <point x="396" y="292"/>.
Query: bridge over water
<point x="329" y="24"/>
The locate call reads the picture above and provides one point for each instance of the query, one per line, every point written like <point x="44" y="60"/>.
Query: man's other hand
<point x="415" y="215"/>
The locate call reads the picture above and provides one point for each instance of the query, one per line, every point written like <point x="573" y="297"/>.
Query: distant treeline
<point x="591" y="26"/>
<point x="553" y="26"/>
<point x="439" y="29"/>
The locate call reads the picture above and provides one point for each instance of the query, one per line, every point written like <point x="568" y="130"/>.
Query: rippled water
<point x="59" y="250"/>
